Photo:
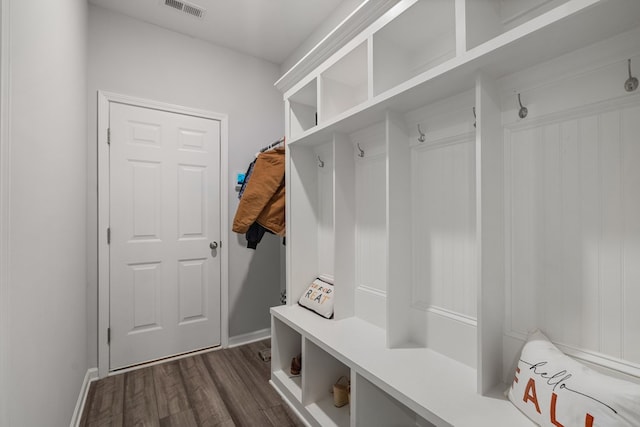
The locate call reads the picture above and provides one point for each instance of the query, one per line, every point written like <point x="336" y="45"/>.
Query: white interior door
<point x="164" y="230"/>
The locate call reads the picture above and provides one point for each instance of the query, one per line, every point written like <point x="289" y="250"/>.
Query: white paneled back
<point x="324" y="166"/>
<point x="444" y="237"/>
<point x="371" y="222"/>
<point x="371" y="246"/>
<point x="572" y="198"/>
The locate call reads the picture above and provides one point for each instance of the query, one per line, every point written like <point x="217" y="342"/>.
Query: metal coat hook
<point x="474" y="116"/>
<point x="632" y="82"/>
<point x="421" y="138"/>
<point x="361" y="153"/>
<point x="523" y="110"/>
<point x="320" y="162"/>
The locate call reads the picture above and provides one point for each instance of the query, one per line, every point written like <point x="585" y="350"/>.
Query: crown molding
<point x="367" y="13"/>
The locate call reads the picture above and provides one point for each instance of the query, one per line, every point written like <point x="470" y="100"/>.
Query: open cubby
<point x="370" y="229"/>
<point x="374" y="407"/>
<point x="324" y="192"/>
<point x="303" y="107"/>
<point x="321" y="371"/>
<point x="572" y="223"/>
<point x="422" y="37"/>
<point x="488" y="19"/>
<point x="312" y="227"/>
<point x="345" y="84"/>
<point x="286" y="344"/>
<point x="443" y="250"/>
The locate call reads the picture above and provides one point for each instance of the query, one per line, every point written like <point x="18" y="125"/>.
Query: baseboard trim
<point x="89" y="377"/>
<point x="243" y="339"/>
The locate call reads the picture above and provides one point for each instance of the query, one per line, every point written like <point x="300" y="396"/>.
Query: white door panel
<point x="164" y="212"/>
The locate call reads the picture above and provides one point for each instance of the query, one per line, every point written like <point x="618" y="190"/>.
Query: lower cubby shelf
<point x="321" y="371"/>
<point x="326" y="414"/>
<point x="414" y="386"/>
<point x="375" y="407"/>
<point x="288" y="383"/>
<point x="286" y="344"/>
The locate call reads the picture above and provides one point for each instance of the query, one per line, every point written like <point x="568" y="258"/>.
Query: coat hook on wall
<point x="474" y="116"/>
<point x="421" y="138"/>
<point x="320" y="162"/>
<point x="632" y="82"/>
<point x="523" y="110"/>
<point x="361" y="151"/>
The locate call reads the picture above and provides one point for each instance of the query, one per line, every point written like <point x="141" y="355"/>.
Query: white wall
<point x="44" y="345"/>
<point x="130" y="57"/>
<point x="4" y="211"/>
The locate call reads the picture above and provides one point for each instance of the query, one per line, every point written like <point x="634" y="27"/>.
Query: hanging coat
<point x="263" y="200"/>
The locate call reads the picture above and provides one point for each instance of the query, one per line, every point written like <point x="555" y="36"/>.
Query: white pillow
<point x="319" y="298"/>
<point x="554" y="390"/>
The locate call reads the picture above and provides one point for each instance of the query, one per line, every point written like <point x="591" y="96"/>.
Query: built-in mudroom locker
<point x="463" y="173"/>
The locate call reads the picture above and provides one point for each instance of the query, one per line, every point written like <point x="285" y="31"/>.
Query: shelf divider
<point x="399" y="330"/>
<point x="490" y="232"/>
<point x="344" y="226"/>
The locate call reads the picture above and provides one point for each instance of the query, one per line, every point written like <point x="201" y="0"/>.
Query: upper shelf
<point x="303" y="109"/>
<point x="490" y="18"/>
<point x="345" y="84"/>
<point x="420" y="38"/>
<point x="367" y="12"/>
<point x="571" y="25"/>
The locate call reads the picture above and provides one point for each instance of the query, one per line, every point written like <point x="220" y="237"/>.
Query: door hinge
<point x="108" y="136"/>
<point x="108" y="336"/>
<point x="109" y="236"/>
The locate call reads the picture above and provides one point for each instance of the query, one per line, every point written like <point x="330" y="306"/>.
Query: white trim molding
<point x="594" y="359"/>
<point x="104" y="98"/>
<point x="250" y="337"/>
<point x="89" y="377"/>
<point x="5" y="208"/>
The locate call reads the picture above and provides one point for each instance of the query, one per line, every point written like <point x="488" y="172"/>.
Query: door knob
<point x="213" y="245"/>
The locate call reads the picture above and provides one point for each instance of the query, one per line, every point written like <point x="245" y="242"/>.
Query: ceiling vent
<point x="188" y="8"/>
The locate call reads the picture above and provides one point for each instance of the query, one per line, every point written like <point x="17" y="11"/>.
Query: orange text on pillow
<point x="531" y="396"/>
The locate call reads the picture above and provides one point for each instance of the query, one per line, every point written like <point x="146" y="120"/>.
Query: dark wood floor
<point x="219" y="388"/>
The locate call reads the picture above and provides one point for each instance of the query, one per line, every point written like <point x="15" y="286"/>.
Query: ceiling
<point x="267" y="29"/>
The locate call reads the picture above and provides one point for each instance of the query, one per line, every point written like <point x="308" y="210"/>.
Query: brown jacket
<point x="264" y="196"/>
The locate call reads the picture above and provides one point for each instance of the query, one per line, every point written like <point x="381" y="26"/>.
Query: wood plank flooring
<point x="220" y="388"/>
